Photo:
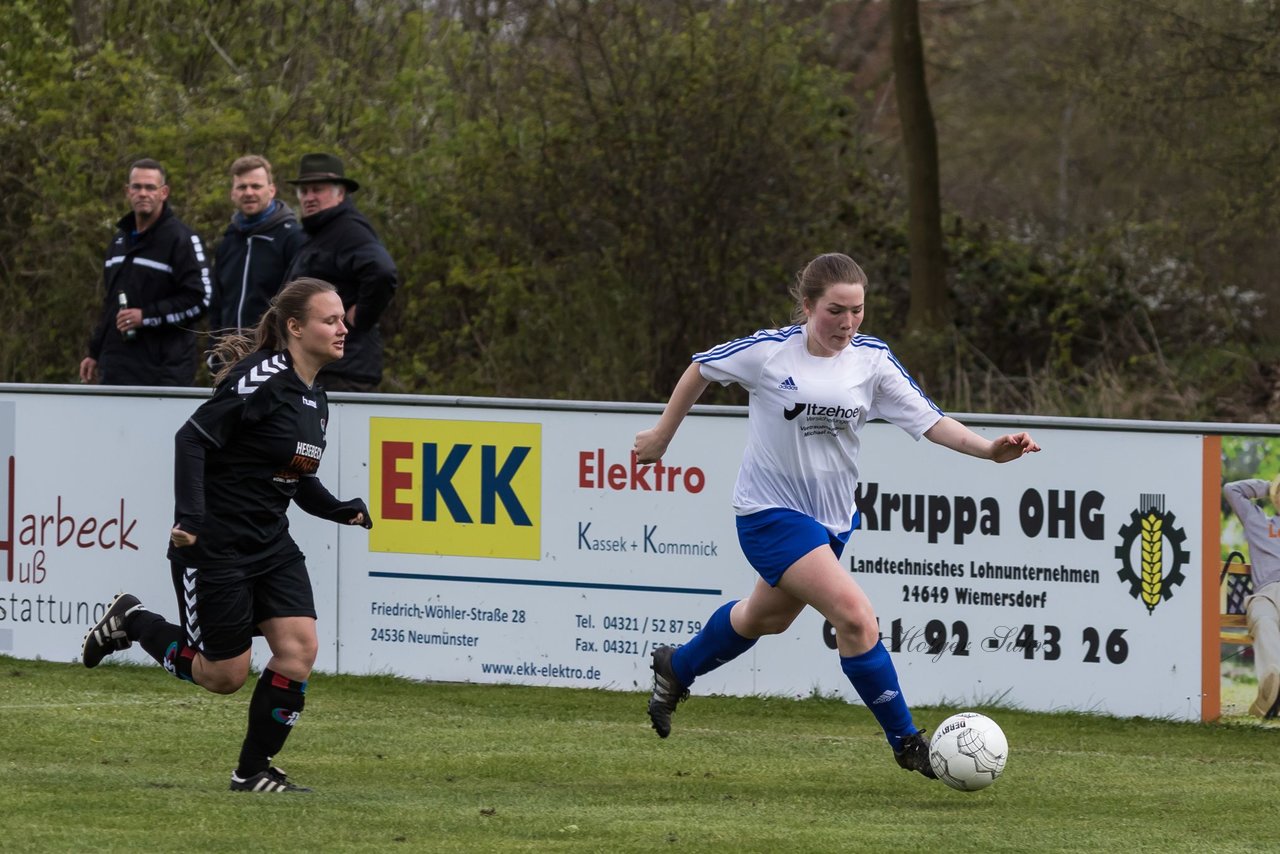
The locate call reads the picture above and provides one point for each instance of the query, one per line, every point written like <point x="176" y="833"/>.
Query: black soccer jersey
<point x="242" y="456"/>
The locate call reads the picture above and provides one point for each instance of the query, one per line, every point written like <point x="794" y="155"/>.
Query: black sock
<point x="153" y="633"/>
<point x="163" y="641"/>
<point x="276" y="705"/>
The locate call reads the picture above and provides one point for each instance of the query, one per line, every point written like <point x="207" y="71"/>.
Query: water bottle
<point x="130" y="333"/>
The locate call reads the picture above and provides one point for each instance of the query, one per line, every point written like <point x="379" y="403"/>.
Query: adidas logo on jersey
<point x="885" y="697"/>
<point x="788" y="385"/>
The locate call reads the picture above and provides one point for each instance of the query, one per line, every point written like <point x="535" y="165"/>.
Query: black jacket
<point x="343" y="249"/>
<point x="249" y="267"/>
<point x="164" y="272"/>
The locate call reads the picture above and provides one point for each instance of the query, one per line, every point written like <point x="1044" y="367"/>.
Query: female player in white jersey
<point x="812" y="387"/>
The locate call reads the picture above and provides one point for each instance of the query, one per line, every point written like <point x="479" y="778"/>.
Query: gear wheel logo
<point x="1155" y="540"/>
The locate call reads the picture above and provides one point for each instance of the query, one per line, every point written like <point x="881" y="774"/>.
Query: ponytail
<point x="272" y="332"/>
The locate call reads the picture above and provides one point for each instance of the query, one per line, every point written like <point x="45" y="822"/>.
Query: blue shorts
<point x="774" y="539"/>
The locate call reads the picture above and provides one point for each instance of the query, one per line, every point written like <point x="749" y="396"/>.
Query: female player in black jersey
<point x="249" y="450"/>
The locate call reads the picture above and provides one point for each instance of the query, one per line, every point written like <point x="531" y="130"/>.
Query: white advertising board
<point x="1004" y="583"/>
<point x="519" y="544"/>
<point x="991" y="582"/>
<point x="89" y="489"/>
<point x="558" y="562"/>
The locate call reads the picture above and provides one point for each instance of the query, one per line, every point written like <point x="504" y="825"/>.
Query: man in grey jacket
<point x="1262" y="609"/>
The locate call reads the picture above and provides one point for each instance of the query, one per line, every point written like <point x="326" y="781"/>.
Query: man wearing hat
<point x="1262" y="534"/>
<point x="342" y="248"/>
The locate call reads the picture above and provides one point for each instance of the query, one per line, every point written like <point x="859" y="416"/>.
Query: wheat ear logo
<point x="1153" y="538"/>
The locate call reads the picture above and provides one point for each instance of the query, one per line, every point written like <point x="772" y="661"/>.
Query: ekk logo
<point x="470" y="488"/>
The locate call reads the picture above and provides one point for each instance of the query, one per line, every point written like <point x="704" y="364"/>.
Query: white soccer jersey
<point x="805" y="412"/>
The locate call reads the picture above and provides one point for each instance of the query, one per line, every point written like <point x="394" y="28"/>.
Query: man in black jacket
<point x="255" y="252"/>
<point x="156" y="280"/>
<point x="343" y="249"/>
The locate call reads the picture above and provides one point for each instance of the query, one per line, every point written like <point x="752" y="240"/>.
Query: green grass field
<point x="126" y="758"/>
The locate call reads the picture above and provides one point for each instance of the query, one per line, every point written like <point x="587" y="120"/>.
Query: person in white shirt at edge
<point x="1262" y="609"/>
<point x="813" y="386"/>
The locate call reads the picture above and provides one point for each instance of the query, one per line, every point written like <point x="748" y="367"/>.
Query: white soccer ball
<point x="968" y="751"/>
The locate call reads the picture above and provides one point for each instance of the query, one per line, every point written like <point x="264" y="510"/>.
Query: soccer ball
<point x="968" y="751"/>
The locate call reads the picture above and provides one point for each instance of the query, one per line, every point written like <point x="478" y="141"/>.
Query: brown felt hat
<point x="323" y="169"/>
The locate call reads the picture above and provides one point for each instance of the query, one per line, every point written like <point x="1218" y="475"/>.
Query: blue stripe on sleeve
<point x="877" y="344"/>
<point x="740" y="344"/>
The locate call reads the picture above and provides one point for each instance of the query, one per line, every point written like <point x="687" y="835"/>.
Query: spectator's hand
<point x="181" y="538"/>
<point x="128" y="318"/>
<point x="88" y="370"/>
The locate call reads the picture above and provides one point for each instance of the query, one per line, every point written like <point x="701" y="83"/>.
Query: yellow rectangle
<point x="468" y="488"/>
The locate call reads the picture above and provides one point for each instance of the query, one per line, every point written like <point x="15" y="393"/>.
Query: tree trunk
<point x="929" y="310"/>
<point x="84" y="30"/>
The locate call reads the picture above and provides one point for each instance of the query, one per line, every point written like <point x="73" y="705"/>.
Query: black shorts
<point x="221" y="608"/>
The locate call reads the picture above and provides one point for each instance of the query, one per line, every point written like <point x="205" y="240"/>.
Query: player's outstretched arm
<point x="950" y="433"/>
<point x="651" y="444"/>
<point x="313" y="498"/>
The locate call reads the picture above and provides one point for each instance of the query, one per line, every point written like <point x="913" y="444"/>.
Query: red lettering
<point x="672" y="473"/>
<point x="64" y="521"/>
<point x="63" y="528"/>
<point x="617" y="476"/>
<point x="87" y="528"/>
<point x="585" y="469"/>
<point x="658" y="470"/>
<point x="393" y="480"/>
<point x="34" y="572"/>
<point x="639" y="473"/>
<point x="593" y="473"/>
<point x="125" y="532"/>
<point x="102" y="532"/>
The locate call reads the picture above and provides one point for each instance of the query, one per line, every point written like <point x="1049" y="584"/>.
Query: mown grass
<point x="126" y="758"/>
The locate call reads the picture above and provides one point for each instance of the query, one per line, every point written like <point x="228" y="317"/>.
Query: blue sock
<point x="715" y="645"/>
<point x="876" y="681"/>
